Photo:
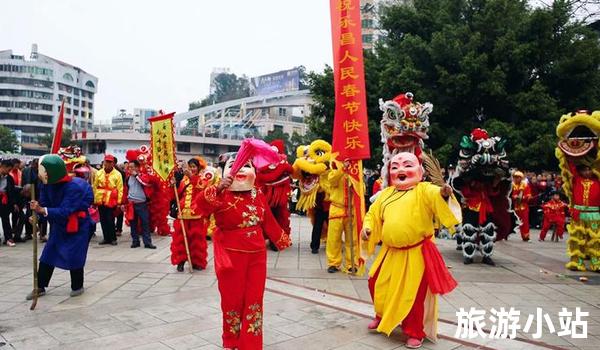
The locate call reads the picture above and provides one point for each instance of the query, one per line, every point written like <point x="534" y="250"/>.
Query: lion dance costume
<point x="482" y="180"/>
<point x="275" y="184"/>
<point x="579" y="162"/>
<point x="159" y="202"/>
<point x="242" y="216"/>
<point x="311" y="168"/>
<point x="404" y="126"/>
<point x="409" y="271"/>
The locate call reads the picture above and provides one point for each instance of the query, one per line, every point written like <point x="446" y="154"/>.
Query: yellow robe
<point x="401" y="219"/>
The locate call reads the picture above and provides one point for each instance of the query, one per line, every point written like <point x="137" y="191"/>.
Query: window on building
<point x="76" y="102"/>
<point x="278" y="128"/>
<point x="282" y="111"/>
<point x="68" y="77"/>
<point x="209" y="149"/>
<point x="367" y="38"/>
<point x="76" y="112"/>
<point x="184" y="147"/>
<point x="367" y="23"/>
<point x="89" y="83"/>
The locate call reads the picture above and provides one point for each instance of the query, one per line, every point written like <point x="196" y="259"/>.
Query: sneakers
<point x="103" y="242"/>
<point x="41" y="292"/>
<point x="78" y="292"/>
<point x="332" y="269"/>
<point x="10" y="243"/>
<point x="315" y="251"/>
<point x="488" y="261"/>
<point x="180" y="266"/>
<point x="414" y="343"/>
<point x="113" y="242"/>
<point x="135" y="245"/>
<point x="149" y="246"/>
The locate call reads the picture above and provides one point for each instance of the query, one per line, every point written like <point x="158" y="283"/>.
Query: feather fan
<point x="433" y="168"/>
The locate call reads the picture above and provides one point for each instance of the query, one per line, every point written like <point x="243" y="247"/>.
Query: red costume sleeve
<point x="208" y="201"/>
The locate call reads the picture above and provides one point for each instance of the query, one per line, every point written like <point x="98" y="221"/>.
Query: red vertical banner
<point x="350" y="124"/>
<point x="59" y="129"/>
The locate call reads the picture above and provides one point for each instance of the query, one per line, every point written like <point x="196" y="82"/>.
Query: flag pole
<point x="185" y="240"/>
<point x="351" y="223"/>
<point x="34" y="240"/>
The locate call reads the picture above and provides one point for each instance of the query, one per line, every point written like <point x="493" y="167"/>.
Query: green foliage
<point x="516" y="67"/>
<point x="228" y="86"/>
<point x="65" y="141"/>
<point x="8" y="140"/>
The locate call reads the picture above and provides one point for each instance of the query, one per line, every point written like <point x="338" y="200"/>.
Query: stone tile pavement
<point x="135" y="299"/>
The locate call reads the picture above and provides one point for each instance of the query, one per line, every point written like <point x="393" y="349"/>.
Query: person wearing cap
<point x="64" y="203"/>
<point x="108" y="195"/>
<point x="554" y="214"/>
<point x="521" y="195"/>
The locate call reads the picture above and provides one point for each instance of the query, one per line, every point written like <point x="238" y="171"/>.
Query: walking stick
<point x="351" y="224"/>
<point x="185" y="240"/>
<point x="34" y="240"/>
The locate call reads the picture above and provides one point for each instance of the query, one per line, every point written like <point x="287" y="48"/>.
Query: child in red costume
<point x="195" y="225"/>
<point x="275" y="183"/>
<point x="521" y="194"/>
<point x="554" y="214"/>
<point x="242" y="215"/>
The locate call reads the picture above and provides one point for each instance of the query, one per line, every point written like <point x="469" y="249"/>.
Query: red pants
<point x="196" y="235"/>
<point x="282" y="215"/>
<point x="242" y="288"/>
<point x="523" y="215"/>
<point x="548" y="222"/>
<point x="412" y="325"/>
<point x="159" y="210"/>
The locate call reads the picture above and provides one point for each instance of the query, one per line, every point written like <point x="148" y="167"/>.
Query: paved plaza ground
<point x="135" y="299"/>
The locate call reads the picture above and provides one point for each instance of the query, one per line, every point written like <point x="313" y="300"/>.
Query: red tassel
<point x="439" y="279"/>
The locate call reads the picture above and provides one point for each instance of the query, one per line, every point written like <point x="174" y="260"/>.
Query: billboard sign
<point x="283" y="81"/>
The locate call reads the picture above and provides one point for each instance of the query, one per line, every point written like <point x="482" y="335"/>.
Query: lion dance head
<point x="311" y="169"/>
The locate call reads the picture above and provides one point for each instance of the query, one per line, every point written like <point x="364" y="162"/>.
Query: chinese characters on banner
<point x="350" y="125"/>
<point x="162" y="145"/>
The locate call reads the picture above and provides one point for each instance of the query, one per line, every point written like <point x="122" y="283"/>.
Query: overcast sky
<point x="159" y="54"/>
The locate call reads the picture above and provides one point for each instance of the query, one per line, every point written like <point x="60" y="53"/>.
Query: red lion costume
<point x="275" y="183"/>
<point x="159" y="203"/>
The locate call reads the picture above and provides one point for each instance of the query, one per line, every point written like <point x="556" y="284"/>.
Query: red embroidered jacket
<point x="554" y="210"/>
<point x="241" y="218"/>
<point x="190" y="189"/>
<point x="521" y="194"/>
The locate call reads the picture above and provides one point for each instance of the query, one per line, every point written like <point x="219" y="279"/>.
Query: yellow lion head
<point x="311" y="169"/>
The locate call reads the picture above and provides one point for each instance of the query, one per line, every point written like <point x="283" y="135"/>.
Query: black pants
<point x="107" y="221"/>
<point x="45" y="274"/>
<point x="320" y="217"/>
<point x="18" y="222"/>
<point x="5" y="217"/>
<point x="119" y="225"/>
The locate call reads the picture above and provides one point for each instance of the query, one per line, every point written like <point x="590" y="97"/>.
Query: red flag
<point x="59" y="129"/>
<point x="350" y="126"/>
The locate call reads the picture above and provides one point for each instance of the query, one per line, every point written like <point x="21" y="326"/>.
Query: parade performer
<point x="482" y="180"/>
<point x="64" y="203"/>
<point x="404" y="126"/>
<point x="275" y="183"/>
<point x="339" y="222"/>
<point x="554" y="214"/>
<point x="579" y="162"/>
<point x="72" y="156"/>
<point x="190" y="188"/>
<point x="521" y="195"/>
<point x="242" y="215"/>
<point x="409" y="271"/>
<point x="311" y="168"/>
<point x="108" y="195"/>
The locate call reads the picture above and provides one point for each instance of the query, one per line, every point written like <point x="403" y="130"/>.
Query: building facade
<point x="31" y="91"/>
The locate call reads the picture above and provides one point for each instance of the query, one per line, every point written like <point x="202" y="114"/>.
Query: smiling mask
<point x="405" y="171"/>
<point x="244" y="179"/>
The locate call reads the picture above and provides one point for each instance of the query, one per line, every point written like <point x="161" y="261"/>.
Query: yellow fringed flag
<point x="162" y="145"/>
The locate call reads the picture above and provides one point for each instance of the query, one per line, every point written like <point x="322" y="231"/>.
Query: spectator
<point x="138" y="186"/>
<point x="7" y="204"/>
<point x="108" y="194"/>
<point x="17" y="215"/>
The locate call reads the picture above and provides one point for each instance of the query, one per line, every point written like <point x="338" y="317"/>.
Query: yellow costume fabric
<point x="401" y="219"/>
<point x="339" y="223"/>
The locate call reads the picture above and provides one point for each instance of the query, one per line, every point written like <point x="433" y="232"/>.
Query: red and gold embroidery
<point x="283" y="242"/>
<point x="255" y="319"/>
<point x="250" y="217"/>
<point x="587" y="186"/>
<point x="232" y="318"/>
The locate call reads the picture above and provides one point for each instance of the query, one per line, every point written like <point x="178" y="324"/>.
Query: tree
<point x="65" y="141"/>
<point x="8" y="140"/>
<point x="514" y="67"/>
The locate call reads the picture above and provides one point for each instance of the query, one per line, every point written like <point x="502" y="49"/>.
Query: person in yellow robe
<point x="408" y="271"/>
